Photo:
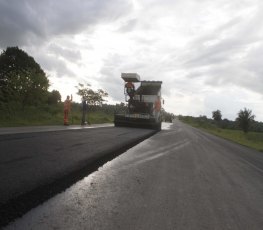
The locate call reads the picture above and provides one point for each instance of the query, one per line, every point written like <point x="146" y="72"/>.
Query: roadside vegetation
<point x="25" y="99"/>
<point x="250" y="134"/>
<point x="53" y="115"/>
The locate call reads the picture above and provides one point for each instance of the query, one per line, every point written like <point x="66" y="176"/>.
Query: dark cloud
<point x="18" y="24"/>
<point x="51" y="63"/>
<point x="31" y="21"/>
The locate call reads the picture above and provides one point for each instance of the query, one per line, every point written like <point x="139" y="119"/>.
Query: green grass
<point x="50" y="115"/>
<point x="251" y="139"/>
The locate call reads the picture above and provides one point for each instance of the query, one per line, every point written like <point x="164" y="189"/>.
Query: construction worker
<point x="130" y="89"/>
<point x="67" y="105"/>
<point x="157" y="107"/>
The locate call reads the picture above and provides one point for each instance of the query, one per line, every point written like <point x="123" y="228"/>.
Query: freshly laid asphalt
<point x="38" y="162"/>
<point x="180" y="178"/>
<point x="47" y="128"/>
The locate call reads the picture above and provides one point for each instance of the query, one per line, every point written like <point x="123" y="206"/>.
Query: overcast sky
<point x="208" y="53"/>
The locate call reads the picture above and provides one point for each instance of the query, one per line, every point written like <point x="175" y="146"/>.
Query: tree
<point x="54" y="97"/>
<point x="22" y="79"/>
<point x="217" y="116"/>
<point x="244" y="119"/>
<point x="92" y="97"/>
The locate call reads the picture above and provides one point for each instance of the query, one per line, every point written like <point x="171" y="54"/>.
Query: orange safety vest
<point x="129" y="85"/>
<point x="67" y="104"/>
<point x="129" y="88"/>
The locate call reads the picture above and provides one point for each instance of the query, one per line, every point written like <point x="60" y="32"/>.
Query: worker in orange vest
<point x="130" y="89"/>
<point x="67" y="105"/>
<point x="157" y="107"/>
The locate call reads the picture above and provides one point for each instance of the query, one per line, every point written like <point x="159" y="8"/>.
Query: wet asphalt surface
<point x="35" y="166"/>
<point x="180" y="178"/>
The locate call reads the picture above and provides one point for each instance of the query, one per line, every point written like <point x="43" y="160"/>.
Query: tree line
<point x="24" y="83"/>
<point x="244" y="121"/>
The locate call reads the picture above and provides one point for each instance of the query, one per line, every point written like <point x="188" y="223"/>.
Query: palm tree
<point x="244" y="119"/>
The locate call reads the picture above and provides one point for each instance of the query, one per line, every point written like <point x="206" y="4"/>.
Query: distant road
<point x="180" y="178"/>
<point x="37" y="163"/>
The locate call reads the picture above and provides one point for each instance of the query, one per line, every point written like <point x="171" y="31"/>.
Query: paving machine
<point x="144" y="103"/>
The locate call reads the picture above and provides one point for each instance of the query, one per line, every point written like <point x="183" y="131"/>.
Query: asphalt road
<point x="34" y="166"/>
<point x="181" y="178"/>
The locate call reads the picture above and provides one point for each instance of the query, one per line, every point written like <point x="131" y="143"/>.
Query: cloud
<point x="27" y="21"/>
<point x="128" y="26"/>
<point x="71" y="54"/>
<point x="110" y="76"/>
<point x="228" y="55"/>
